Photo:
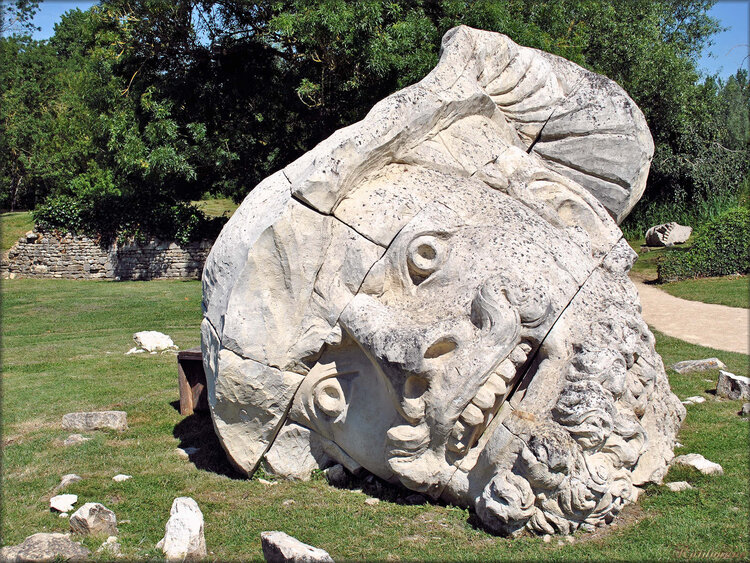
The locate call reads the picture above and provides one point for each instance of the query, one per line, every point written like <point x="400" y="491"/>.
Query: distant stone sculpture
<point x="439" y="294"/>
<point x="668" y="234"/>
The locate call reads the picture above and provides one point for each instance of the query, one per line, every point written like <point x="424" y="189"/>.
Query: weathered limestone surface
<point x="114" y="420"/>
<point x="279" y="547"/>
<point x="45" y="547"/>
<point x="692" y="366"/>
<point x="183" y="535"/>
<point x="53" y="255"/>
<point x="733" y="386"/>
<point x="439" y="294"/>
<point x="94" y="518"/>
<point x="667" y="234"/>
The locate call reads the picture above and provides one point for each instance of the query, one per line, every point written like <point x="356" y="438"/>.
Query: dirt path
<point x="715" y="326"/>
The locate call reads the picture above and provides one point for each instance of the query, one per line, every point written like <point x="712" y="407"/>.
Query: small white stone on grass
<point x="266" y="482"/>
<point x="110" y="547"/>
<point x="121" y="477"/>
<point x="279" y="547"/>
<point x="74" y="439"/>
<point x="185" y="453"/>
<point x="745" y="409"/>
<point x="63" y="503"/>
<point x="697" y="461"/>
<point x="134" y="351"/>
<point x="372" y="501"/>
<point x="547" y="538"/>
<point x="94" y="518"/>
<point x="63" y="515"/>
<point x="153" y="341"/>
<point x="183" y="533"/>
<point x="67" y="480"/>
<point x="694" y="400"/>
<point x="289" y="502"/>
<point x="679" y="486"/>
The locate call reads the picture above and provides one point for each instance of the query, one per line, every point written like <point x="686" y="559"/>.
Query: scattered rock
<point x="135" y="351"/>
<point x="372" y="501"/>
<point x="110" y="547"/>
<point x="697" y="461"/>
<point x="745" y="410"/>
<point x="691" y="366"/>
<point x="570" y="539"/>
<point x="121" y="477"/>
<point x="678" y="444"/>
<point x="667" y="234"/>
<point x="63" y="515"/>
<point x="45" y="547"/>
<point x="153" y="341"/>
<point x="94" y="518"/>
<point x="183" y="533"/>
<point x="547" y="538"/>
<point x="63" y="503"/>
<point x="337" y="476"/>
<point x="185" y="453"/>
<point x="679" y="486"/>
<point x="733" y="386"/>
<point x="694" y="400"/>
<point x="68" y="479"/>
<point x="115" y="420"/>
<point x="74" y="439"/>
<point x="279" y="547"/>
<point x="267" y="482"/>
<point x="289" y="502"/>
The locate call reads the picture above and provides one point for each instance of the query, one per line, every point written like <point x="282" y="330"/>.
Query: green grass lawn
<point x="732" y="291"/>
<point x="216" y="207"/>
<point x="12" y="226"/>
<point x="63" y="346"/>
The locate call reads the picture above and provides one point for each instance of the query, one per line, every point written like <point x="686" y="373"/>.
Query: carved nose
<point x="442" y="346"/>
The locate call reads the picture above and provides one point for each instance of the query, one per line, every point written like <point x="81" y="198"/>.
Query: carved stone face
<point x="438" y="295"/>
<point x="437" y="338"/>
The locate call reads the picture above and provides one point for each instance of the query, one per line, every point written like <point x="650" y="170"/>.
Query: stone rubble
<point x="691" y="366"/>
<point x="67" y="480"/>
<point x="75" y="439"/>
<point x="94" y="518"/>
<point x="63" y="503"/>
<point x="183" y="535"/>
<point x="731" y="386"/>
<point x="279" y="547"/>
<point x="697" y="461"/>
<point x="694" y="400"/>
<point x="86" y="421"/>
<point x="110" y="547"/>
<point x="45" y="547"/>
<point x="121" y="477"/>
<point x="667" y="234"/>
<point x="153" y="341"/>
<point x="679" y="486"/>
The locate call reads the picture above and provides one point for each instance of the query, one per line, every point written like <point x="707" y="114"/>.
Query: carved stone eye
<point x="425" y="255"/>
<point x="329" y="397"/>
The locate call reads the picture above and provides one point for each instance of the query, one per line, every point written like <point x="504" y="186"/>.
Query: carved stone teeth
<point x="485" y="398"/>
<point x="457" y="446"/>
<point x="460" y="430"/>
<point x="408" y="436"/>
<point x="472" y="415"/>
<point x="506" y="370"/>
<point x="518" y="356"/>
<point x="413" y="408"/>
<point x="495" y="384"/>
<point x="526" y="347"/>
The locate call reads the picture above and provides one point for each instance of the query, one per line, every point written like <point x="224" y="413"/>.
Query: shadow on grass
<point x="197" y="431"/>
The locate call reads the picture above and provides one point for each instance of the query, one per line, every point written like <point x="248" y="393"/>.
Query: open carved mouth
<point x="410" y="441"/>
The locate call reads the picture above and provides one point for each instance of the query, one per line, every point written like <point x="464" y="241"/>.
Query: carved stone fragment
<point x="439" y="294"/>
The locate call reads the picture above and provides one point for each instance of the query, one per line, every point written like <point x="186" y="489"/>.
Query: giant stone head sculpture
<point x="438" y="294"/>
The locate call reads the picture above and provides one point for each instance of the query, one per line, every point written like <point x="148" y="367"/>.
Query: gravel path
<point x="715" y="326"/>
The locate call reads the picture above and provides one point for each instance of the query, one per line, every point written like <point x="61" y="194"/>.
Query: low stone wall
<point x="50" y="255"/>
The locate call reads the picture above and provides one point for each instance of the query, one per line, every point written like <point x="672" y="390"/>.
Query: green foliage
<point x="178" y="99"/>
<point x="721" y="247"/>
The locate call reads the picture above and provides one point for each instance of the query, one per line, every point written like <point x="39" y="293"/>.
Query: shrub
<point x="721" y="247"/>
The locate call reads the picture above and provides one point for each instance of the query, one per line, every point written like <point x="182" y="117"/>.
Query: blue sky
<point x="725" y="56"/>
